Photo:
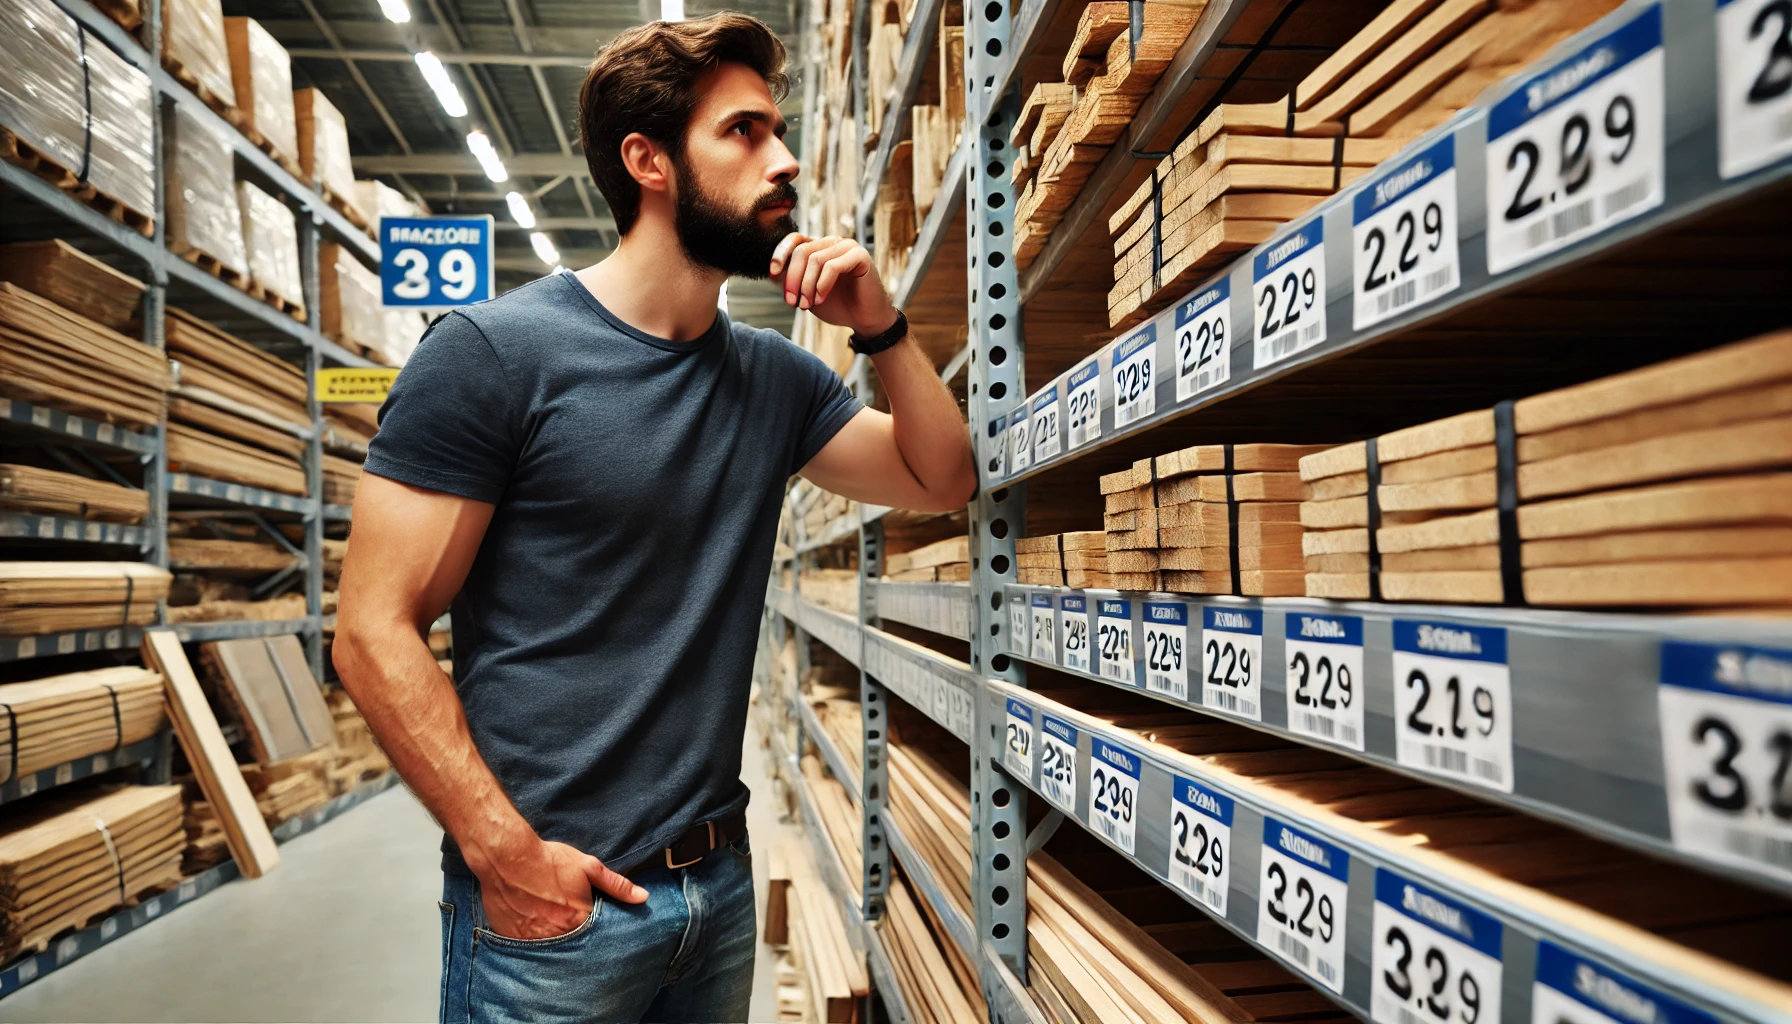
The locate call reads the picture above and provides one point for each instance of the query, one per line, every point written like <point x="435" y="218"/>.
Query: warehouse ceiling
<point x="517" y="65"/>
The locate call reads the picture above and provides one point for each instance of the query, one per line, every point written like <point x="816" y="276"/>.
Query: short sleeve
<point x="451" y="422"/>
<point x="829" y="405"/>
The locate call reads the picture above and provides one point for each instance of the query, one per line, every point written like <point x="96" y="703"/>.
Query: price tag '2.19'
<point x="1405" y="236"/>
<point x="1203" y="340"/>
<point x="1135" y="376"/>
<point x="1200" y="842"/>
<point x="1232" y="661"/>
<point x="1324" y="654"/>
<point x="1166" y="644"/>
<point x="1084" y="410"/>
<point x="1754" y="84"/>
<point x="1113" y="637"/>
<point x="1453" y="702"/>
<point x="1057" y="762"/>
<point x="1289" y="283"/>
<point x="1073" y="631"/>
<point x="1017" y="752"/>
<point x="1580" y="147"/>
<point x="1302" y="897"/>
<point x="1114" y="792"/>
<point x="1436" y="961"/>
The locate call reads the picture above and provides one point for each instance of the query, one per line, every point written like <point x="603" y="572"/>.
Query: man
<point x="591" y="469"/>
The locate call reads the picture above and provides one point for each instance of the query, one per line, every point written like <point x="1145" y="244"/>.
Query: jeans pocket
<point x="487" y="935"/>
<point x="447" y="952"/>
<point x="742" y="846"/>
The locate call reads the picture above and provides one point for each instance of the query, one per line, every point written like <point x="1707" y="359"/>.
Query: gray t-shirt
<point x="604" y="638"/>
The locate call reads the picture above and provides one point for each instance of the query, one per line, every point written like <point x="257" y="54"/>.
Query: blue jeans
<point x="684" y="955"/>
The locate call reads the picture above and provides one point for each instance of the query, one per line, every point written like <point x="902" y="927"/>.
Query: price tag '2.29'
<point x="1166" y="641"/>
<point x="1580" y="147"/>
<point x="1084" y="412"/>
<point x="1057" y="762"/>
<point x="1200" y="842"/>
<point x="1436" y="961"/>
<point x="1405" y="236"/>
<point x="1453" y="702"/>
<point x="1113" y="636"/>
<point x="1289" y="282"/>
<point x="1113" y="792"/>
<point x="1754" y="84"/>
<point x="1047" y="428"/>
<point x="1232" y="661"/>
<point x="1203" y="340"/>
<point x="1020" y="441"/>
<point x="1017" y="752"/>
<point x="1135" y="376"/>
<point x="1302" y="898"/>
<point x="1324" y="654"/>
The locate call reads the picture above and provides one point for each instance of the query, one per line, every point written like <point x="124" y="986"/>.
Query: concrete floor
<point x="346" y="929"/>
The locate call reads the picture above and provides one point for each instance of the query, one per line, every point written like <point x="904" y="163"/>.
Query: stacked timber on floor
<point x="1659" y="487"/>
<point x="948" y="560"/>
<point x="56" y="597"/>
<point x="52" y="356"/>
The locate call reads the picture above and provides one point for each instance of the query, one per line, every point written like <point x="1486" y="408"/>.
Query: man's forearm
<point x="930" y="433"/>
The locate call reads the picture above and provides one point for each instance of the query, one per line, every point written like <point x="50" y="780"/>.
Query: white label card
<point x="1570" y="990"/>
<point x="1073" y="631"/>
<point x="1020" y="441"/>
<point x="1017" y="625"/>
<point x="1404" y="236"/>
<point x="1453" y="702"/>
<point x="1113" y="637"/>
<point x="1754" y="84"/>
<point x="1200" y="842"/>
<point x="1017" y="751"/>
<point x="1435" y="960"/>
<point x="1289" y="286"/>
<point x="1048" y="439"/>
<point x="1577" y="148"/>
<point x="996" y="465"/>
<point x="1045" y="634"/>
<point x="1084" y="410"/>
<point x="1232" y="661"/>
<point x="1726" y="744"/>
<point x="1135" y="376"/>
<point x="1057" y="762"/>
<point x="1203" y="340"/>
<point x="1302" y="898"/>
<point x="1113" y="792"/>
<point x="1324" y="657"/>
<point x="1166" y="648"/>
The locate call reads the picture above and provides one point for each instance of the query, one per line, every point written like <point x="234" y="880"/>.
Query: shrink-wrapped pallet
<point x="404" y="329"/>
<point x="350" y="296"/>
<point x="194" y="49"/>
<point x="323" y="144"/>
<point x="377" y="199"/>
<point x="271" y="237"/>
<point x="121" y="161"/>
<point x="203" y="217"/>
<point x="262" y="74"/>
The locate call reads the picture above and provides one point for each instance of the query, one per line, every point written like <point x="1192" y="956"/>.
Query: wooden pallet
<point x="224" y="108"/>
<point x="211" y="265"/>
<point x="127" y="13"/>
<point x="16" y="151"/>
<point x="262" y="292"/>
<point x="346" y="207"/>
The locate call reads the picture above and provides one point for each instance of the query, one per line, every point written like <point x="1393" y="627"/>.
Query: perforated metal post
<point x="314" y="453"/>
<point x="874" y="769"/>
<point x="155" y="299"/>
<point x="997" y="382"/>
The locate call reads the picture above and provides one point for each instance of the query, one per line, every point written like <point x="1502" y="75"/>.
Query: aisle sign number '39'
<point x="435" y="262"/>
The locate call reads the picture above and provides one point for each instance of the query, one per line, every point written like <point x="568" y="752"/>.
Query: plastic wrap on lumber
<point x="201" y="191"/>
<point x="261" y="73"/>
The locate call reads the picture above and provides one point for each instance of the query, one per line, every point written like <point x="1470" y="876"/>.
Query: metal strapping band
<point x="1288" y="129"/>
<point x="117" y="864"/>
<point x="130" y="591"/>
<point x="1505" y="449"/>
<point x="86" y="109"/>
<point x="1157" y="223"/>
<point x="1231" y="522"/>
<point x="1337" y="162"/>
<point x="117" y="717"/>
<point x="1135" y="28"/>
<point x="1373" y="459"/>
<point x="12" y="728"/>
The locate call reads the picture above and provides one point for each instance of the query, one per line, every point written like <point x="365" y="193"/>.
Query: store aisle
<point x="345" y="929"/>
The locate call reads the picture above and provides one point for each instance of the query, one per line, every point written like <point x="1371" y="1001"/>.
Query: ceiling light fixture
<point x="437" y="77"/>
<point x="482" y="150"/>
<point x="520" y="212"/>
<point x="395" y="10"/>
<point x="671" y="10"/>
<point x="544" y="248"/>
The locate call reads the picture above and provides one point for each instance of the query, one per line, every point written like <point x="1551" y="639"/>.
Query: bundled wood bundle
<point x="30" y="489"/>
<point x="209" y="455"/>
<point x="273" y="609"/>
<point x="832" y="588"/>
<point x="63" y="274"/>
<point x="1229" y="508"/>
<point x="261" y="73"/>
<point x="57" y="719"/>
<point x="894" y="222"/>
<point x="228" y="373"/>
<point x="66" y="861"/>
<point x="340" y="479"/>
<point x="948" y="560"/>
<point x="1113" y="67"/>
<point x="269" y="687"/>
<point x="55" y="357"/>
<point x="205" y="845"/>
<point x="1129" y="560"/>
<point x="233" y="555"/>
<point x="1039" y="561"/>
<point x="289" y="788"/>
<point x="803" y="914"/>
<point x="1085" y="555"/>
<point x="1042" y="116"/>
<point x="53" y="597"/>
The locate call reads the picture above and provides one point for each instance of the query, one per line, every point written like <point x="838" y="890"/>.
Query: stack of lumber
<point x="1129" y="560"/>
<point x="196" y="52"/>
<point x="1044" y="113"/>
<point x="206" y="454"/>
<point x="53" y="597"/>
<point x="289" y="788"/>
<point x="802" y="914"/>
<point x="274" y="609"/>
<point x="205" y="223"/>
<point x="267" y="686"/>
<point x="1216" y="507"/>
<point x="66" y="861"/>
<point x="883" y="60"/>
<point x="894" y="222"/>
<point x="236" y="411"/>
<point x="261" y="73"/>
<point x="57" y="719"/>
<point x="341" y="477"/>
<point x="63" y="274"/>
<point x="1085" y="557"/>
<point x="948" y="560"/>
<point x="345" y="435"/>
<point x="205" y="846"/>
<point x="324" y="153"/>
<point x="824" y="509"/>
<point x="1039" y="561"/>
<point x="1113" y="66"/>
<point x="212" y="553"/>
<point x="935" y="127"/>
<point x="837" y="589"/>
<point x="55" y="357"/>
<point x="349" y="296"/>
<point x="52" y="492"/>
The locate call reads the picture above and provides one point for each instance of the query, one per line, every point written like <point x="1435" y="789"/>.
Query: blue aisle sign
<point x="435" y="262"/>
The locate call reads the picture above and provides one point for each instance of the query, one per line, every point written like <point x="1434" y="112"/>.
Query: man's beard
<point x="738" y="244"/>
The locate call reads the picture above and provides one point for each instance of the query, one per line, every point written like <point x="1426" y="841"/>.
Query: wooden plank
<point x="1735" y="448"/>
<point x="1462" y="431"/>
<point x="1326" y="542"/>
<point x="65" y="275"/>
<point x="1383" y="29"/>
<point x="1657" y="421"/>
<point x="1442" y="24"/>
<point x="1336" y="461"/>
<point x="1731" y="542"/>
<point x="1744" y="365"/>
<point x="1475" y="490"/>
<point x="302" y="689"/>
<point x="1762" y="498"/>
<point x="1721" y="582"/>
<point x="30" y="488"/>
<point x="1479" y="556"/>
<point x="1473" y="529"/>
<point x="1463" y="587"/>
<point x="1338" y="586"/>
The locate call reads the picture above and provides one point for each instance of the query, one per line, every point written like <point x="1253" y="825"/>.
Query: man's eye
<point x="743" y="128"/>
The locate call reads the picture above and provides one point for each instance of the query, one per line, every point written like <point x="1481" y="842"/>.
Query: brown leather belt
<point x="703" y="837"/>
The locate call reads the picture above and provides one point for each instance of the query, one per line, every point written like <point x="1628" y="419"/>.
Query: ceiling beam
<point x="544" y="165"/>
<point x="531" y="60"/>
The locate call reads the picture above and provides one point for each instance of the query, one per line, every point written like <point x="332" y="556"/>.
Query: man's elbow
<point x="953" y="494"/>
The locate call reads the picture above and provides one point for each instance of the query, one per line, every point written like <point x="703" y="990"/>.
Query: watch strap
<point x="879" y="342"/>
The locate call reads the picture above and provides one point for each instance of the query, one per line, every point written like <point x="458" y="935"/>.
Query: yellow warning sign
<point x="349" y="384"/>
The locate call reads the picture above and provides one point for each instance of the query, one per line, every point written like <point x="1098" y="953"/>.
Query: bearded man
<point x="588" y="471"/>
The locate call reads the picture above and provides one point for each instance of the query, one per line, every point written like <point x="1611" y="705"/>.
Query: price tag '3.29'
<point x="1200" y="842"/>
<point x="1453" y="702"/>
<point x="1289" y="282"/>
<point x="1113" y="792"/>
<point x="1405" y="236"/>
<point x="1302" y="897"/>
<point x="1135" y="376"/>
<point x="1057" y="762"/>
<point x="1203" y="345"/>
<point x="1436" y="960"/>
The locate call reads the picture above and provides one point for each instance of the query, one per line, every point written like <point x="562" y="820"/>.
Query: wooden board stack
<point x="803" y="914"/>
<point x="893" y="221"/>
<point x="1129" y="558"/>
<point x="1039" y="561"/>
<point x="948" y="561"/>
<point x="1202" y="491"/>
<point x="65" y="861"/>
<point x="1112" y="69"/>
<point x="52" y="492"/>
<point x="210" y="553"/>
<point x="1042" y="116"/>
<point x="935" y="128"/>
<point x="268" y="687"/>
<point x="63" y="274"/>
<point x="57" y="719"/>
<point x="55" y="357"/>
<point x="837" y="589"/>
<point x="237" y="412"/>
<point x="54" y="597"/>
<point x="225" y="609"/>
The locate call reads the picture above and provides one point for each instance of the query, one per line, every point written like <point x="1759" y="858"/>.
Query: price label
<point x="1570" y="990"/>
<point x="1057" y="762"/>
<point x="1405" y="236"/>
<point x="1726" y="744"/>
<point x="1113" y="637"/>
<point x="1113" y="792"/>
<point x="1754" y="84"/>
<point x="1200" y="842"/>
<point x="1289" y="281"/>
<point x="1453" y="702"/>
<point x="1085" y="403"/>
<point x="1017" y="753"/>
<point x="1045" y="641"/>
<point x="1073" y="628"/>
<point x="1203" y="352"/>
<point x="1436" y="960"/>
<point x="1048" y="438"/>
<point x="1017" y="625"/>
<point x="1302" y="896"/>
<point x="1020" y="441"/>
<point x="1577" y="148"/>
<point x="1232" y="661"/>
<point x="1166" y="638"/>
<point x="1135" y="376"/>
<point x="1324" y="654"/>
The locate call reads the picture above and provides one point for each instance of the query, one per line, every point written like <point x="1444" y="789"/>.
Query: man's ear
<point x="647" y="163"/>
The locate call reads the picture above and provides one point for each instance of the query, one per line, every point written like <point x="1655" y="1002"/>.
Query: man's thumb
<point x="612" y="884"/>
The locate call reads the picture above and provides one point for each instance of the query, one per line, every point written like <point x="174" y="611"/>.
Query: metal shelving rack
<point x="1587" y="742"/>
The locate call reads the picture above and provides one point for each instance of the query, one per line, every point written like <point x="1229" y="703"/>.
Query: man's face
<point x="734" y="196"/>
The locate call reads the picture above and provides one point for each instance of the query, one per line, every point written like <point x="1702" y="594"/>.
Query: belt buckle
<point x="685" y="864"/>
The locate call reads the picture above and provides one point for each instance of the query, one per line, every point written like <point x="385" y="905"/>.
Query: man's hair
<point x="645" y="80"/>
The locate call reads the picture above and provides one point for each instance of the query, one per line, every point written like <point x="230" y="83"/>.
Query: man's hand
<point x="833" y="278"/>
<point x="546" y="890"/>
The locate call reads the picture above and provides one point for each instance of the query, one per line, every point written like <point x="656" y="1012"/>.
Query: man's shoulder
<point x="542" y="298"/>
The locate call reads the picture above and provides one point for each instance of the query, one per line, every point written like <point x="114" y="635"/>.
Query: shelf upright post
<point x="155" y="301"/>
<point x="997" y="380"/>
<point x="314" y="451"/>
<point x="874" y="703"/>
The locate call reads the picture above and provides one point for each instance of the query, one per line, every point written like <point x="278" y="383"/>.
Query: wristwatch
<point x="878" y="342"/>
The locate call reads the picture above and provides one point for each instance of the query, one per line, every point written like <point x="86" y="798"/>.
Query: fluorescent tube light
<point x="544" y="248"/>
<point x="437" y="77"/>
<point x="395" y="10"/>
<point x="519" y="210"/>
<point x="483" y="152"/>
